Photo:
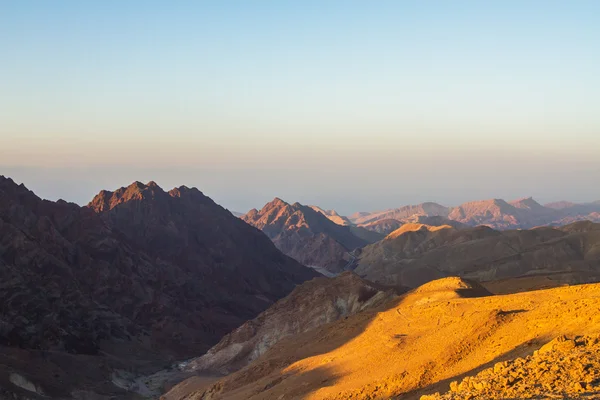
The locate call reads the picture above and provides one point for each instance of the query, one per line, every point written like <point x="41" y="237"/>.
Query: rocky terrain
<point x="562" y="368"/>
<point x="307" y="235"/>
<point x="312" y="304"/>
<point x="138" y="279"/>
<point x="524" y="213"/>
<point x="415" y="254"/>
<point x="421" y="342"/>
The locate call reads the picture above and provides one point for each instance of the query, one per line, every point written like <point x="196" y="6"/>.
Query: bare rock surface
<point x="562" y="368"/>
<point x="137" y="280"/>
<point x="306" y="235"/>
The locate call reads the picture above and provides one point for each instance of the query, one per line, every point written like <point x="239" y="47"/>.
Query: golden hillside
<point x="414" y="345"/>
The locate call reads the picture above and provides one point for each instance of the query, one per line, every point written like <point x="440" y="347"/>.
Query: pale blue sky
<point x="347" y="104"/>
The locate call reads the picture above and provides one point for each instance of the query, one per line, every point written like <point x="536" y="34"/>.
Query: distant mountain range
<point x="314" y="303"/>
<point x="325" y="240"/>
<point x="496" y="213"/>
<point x="400" y="214"/>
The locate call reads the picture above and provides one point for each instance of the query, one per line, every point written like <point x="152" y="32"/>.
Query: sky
<point x="352" y="105"/>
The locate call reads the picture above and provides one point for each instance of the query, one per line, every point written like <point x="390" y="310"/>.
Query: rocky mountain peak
<point x="526" y="203"/>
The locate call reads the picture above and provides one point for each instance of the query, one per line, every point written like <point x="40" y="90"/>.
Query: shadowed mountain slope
<point x="383" y="226"/>
<point x="411" y="257"/>
<point x="305" y="234"/>
<point x="141" y="274"/>
<point x="314" y="303"/>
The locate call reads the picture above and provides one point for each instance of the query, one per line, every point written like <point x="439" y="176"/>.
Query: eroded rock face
<point x="139" y="270"/>
<point x="563" y="368"/>
<point x="314" y="303"/>
<point x="307" y="235"/>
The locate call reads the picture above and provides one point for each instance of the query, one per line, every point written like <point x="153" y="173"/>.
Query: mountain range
<point x="142" y="288"/>
<point x="524" y="213"/>
<point x="138" y="278"/>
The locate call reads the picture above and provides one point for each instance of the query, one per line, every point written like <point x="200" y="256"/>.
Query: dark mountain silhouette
<point x="160" y="274"/>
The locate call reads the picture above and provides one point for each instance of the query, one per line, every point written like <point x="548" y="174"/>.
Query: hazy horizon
<point x="350" y="105"/>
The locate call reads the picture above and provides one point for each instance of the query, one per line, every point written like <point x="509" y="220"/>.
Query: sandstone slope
<point x="415" y="345"/>
<point x="562" y="368"/>
<point x="383" y="226"/>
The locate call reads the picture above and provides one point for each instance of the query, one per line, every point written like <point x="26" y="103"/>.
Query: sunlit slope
<point x="415" y="345"/>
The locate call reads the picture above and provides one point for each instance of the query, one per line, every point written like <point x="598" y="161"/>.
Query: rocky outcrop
<point x="562" y="368"/>
<point x="306" y="235"/>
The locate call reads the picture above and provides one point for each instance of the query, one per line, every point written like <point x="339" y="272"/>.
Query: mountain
<point x="333" y="216"/>
<point x="560" y="205"/>
<point x="410" y="257"/>
<point x="312" y="304"/>
<point x="305" y="234"/>
<point x="495" y="212"/>
<point x="524" y="213"/>
<point x="137" y="279"/>
<point x="427" y="209"/>
<point x="422" y="341"/>
<point x="383" y="226"/>
<point x="368" y="235"/>
<point x="577" y="212"/>
<point x="553" y="371"/>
